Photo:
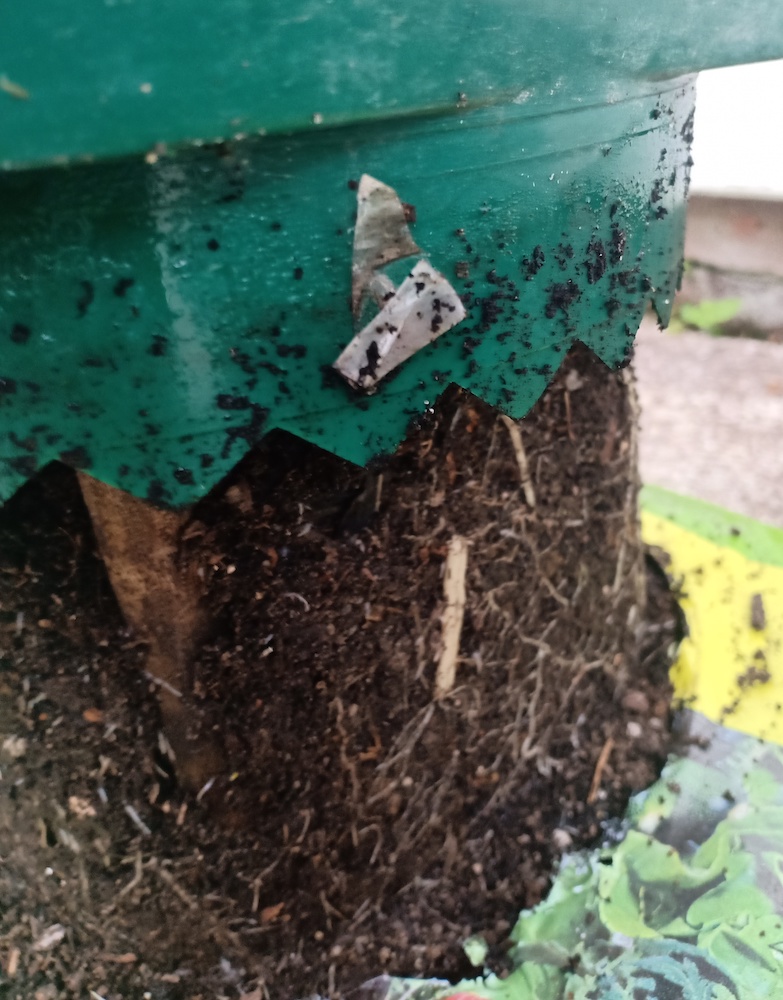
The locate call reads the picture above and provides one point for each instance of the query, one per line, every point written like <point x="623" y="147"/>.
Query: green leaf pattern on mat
<point x="689" y="906"/>
<point x="660" y="970"/>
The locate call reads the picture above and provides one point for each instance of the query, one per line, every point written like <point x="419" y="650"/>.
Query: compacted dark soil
<point x="362" y="825"/>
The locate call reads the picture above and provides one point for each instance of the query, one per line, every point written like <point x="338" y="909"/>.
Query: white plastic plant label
<point x="423" y="308"/>
<point x="381" y="235"/>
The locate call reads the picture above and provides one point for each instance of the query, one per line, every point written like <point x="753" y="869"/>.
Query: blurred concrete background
<point x="712" y="402"/>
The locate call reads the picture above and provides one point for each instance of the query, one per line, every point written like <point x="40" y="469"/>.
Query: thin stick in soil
<point x="454" y="592"/>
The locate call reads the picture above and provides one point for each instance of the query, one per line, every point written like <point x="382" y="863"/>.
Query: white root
<point x="525" y="478"/>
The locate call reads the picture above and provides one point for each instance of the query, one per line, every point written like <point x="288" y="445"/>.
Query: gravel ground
<point x="712" y="418"/>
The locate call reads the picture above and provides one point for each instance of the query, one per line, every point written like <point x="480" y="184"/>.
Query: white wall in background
<point x="738" y="146"/>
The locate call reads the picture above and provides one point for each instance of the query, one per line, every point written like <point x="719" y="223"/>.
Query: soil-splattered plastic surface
<point x="362" y="826"/>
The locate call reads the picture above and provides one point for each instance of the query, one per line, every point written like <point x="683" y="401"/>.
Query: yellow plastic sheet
<point x="730" y="666"/>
